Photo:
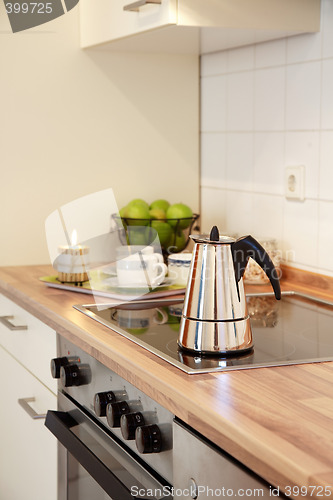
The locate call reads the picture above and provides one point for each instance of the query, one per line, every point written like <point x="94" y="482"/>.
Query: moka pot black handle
<point x="246" y="247"/>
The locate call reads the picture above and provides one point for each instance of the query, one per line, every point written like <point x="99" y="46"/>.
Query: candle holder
<point x="72" y="264"/>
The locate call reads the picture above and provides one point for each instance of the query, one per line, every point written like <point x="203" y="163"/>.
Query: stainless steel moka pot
<point x="215" y="318"/>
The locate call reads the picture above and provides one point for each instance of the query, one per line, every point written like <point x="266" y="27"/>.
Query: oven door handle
<point x="60" y="423"/>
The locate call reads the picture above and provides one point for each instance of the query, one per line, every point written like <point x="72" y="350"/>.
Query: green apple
<point x="157" y="213"/>
<point x="122" y="215"/>
<point x="123" y="212"/>
<point x="164" y="231"/>
<point x="177" y="242"/>
<point x="139" y="203"/>
<point x="162" y="204"/>
<point x="138" y="215"/>
<point x="138" y="235"/>
<point x="179" y="211"/>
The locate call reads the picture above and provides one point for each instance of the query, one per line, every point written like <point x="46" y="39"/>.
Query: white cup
<point x="139" y="267"/>
<point x="127" y="250"/>
<point x="179" y="268"/>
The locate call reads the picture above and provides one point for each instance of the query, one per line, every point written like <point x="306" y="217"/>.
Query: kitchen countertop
<point x="278" y="421"/>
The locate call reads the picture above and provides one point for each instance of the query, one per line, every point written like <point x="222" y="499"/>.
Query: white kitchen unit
<point x="28" y="455"/>
<point x="192" y="26"/>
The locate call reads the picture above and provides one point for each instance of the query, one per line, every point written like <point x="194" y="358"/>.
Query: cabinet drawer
<point x="28" y="453"/>
<point x="108" y="20"/>
<point x="29" y="340"/>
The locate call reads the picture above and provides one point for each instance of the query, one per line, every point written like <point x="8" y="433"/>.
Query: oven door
<point x="93" y="464"/>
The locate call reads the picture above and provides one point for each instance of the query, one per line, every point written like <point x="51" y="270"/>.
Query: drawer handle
<point x="5" y="320"/>
<point x="24" y="403"/>
<point x="135" y="6"/>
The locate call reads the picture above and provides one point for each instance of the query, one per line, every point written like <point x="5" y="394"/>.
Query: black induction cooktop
<point x="297" y="329"/>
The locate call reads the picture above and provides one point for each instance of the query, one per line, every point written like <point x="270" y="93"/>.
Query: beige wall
<point x="75" y="122"/>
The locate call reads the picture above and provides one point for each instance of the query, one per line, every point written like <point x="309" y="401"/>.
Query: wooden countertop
<point x="278" y="421"/>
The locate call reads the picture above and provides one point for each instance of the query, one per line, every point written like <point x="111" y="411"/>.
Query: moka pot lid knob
<point x="214" y="237"/>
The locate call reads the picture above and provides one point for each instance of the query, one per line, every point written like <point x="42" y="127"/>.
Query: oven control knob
<point x="74" y="374"/>
<point x="102" y="399"/>
<point x="129" y="422"/>
<point x="57" y="363"/>
<point x="148" y="439"/>
<point x="114" y="411"/>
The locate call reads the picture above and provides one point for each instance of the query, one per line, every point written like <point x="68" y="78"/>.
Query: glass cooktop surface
<point x="297" y="329"/>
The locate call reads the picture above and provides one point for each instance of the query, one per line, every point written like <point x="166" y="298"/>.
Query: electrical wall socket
<point x="294" y="182"/>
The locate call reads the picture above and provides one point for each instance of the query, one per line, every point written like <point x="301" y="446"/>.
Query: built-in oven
<point x="117" y="443"/>
<point x="99" y="454"/>
<point x="92" y="463"/>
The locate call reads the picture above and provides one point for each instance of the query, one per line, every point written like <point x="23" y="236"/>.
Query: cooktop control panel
<point x="138" y="421"/>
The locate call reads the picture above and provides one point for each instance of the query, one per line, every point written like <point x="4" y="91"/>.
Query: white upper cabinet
<point x="192" y="26"/>
<point x="108" y="20"/>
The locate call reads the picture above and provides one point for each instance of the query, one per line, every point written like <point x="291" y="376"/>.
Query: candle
<point x="72" y="262"/>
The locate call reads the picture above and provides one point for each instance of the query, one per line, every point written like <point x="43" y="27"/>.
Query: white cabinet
<point x="192" y="26"/>
<point x="29" y="340"/>
<point x="109" y="21"/>
<point x="28" y="453"/>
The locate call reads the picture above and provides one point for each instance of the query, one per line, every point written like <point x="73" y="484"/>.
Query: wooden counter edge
<point x="318" y="285"/>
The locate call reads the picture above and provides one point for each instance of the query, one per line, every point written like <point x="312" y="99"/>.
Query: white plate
<point x="114" y="283"/>
<point x="109" y="269"/>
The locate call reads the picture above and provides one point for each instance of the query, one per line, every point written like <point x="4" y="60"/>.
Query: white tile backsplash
<point x="268" y="173"/>
<point x="215" y="212"/>
<point x="239" y="210"/>
<point x="303" y="96"/>
<point x="272" y="53"/>
<point x="213" y="104"/>
<point x="305" y="47"/>
<point x="264" y="107"/>
<point x="327" y="28"/>
<point x="325" y="235"/>
<point x="327" y="101"/>
<point x="267" y="220"/>
<point x="269" y="112"/>
<point x="300" y="232"/>
<point x="240" y="59"/>
<point x="239" y="164"/>
<point x="213" y="159"/>
<point x="214" y="64"/>
<point x="326" y="166"/>
<point x="240" y="101"/>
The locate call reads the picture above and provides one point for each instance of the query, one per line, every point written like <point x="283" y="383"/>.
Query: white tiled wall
<point x="265" y="107"/>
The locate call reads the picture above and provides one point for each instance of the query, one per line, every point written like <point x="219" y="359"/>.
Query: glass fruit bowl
<point x="173" y="234"/>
